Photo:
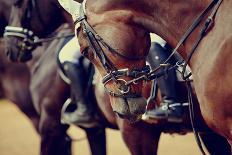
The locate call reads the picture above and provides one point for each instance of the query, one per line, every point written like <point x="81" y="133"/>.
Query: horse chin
<point x="129" y="108"/>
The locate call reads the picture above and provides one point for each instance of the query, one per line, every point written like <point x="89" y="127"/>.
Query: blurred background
<point x="17" y="137"/>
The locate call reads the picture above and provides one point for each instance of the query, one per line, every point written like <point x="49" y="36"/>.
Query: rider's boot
<point x="170" y="109"/>
<point x="81" y="112"/>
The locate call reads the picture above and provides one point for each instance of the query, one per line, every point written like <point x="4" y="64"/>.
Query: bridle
<point x="113" y="74"/>
<point x="142" y="74"/>
<point x="95" y="40"/>
<point x="24" y="33"/>
<point x="28" y="40"/>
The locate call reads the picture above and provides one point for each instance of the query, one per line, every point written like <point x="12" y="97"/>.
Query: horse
<point x="35" y="99"/>
<point x="14" y="78"/>
<point x="140" y="137"/>
<point x="125" y="27"/>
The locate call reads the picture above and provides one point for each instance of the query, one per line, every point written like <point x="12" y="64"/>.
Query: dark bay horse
<point x="14" y="78"/>
<point x="125" y="26"/>
<point x="49" y="93"/>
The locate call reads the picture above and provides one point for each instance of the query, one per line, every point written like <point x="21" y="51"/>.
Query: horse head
<point x="114" y="46"/>
<point x="29" y="21"/>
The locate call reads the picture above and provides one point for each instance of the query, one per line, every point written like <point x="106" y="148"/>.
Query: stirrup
<point x="166" y="113"/>
<point x="63" y="110"/>
<point x="65" y="119"/>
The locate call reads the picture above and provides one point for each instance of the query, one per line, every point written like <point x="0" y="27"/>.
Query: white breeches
<point x="70" y="52"/>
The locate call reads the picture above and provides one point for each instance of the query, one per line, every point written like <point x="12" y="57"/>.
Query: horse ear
<point x="70" y="6"/>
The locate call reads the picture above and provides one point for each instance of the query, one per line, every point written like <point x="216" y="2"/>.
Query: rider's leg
<point x="170" y="108"/>
<point x="70" y="58"/>
<point x="76" y="75"/>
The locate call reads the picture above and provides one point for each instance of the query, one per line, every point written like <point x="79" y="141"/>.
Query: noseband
<point x="28" y="40"/>
<point x="113" y="74"/>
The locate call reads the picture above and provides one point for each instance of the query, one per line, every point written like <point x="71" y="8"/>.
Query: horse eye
<point x="85" y="52"/>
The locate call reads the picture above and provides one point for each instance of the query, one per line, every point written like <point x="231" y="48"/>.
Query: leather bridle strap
<point x="203" y="32"/>
<point x="27" y="36"/>
<point x="30" y="37"/>
<point x="126" y="72"/>
<point x="19" y="32"/>
<point x="96" y="43"/>
<point x="192" y="28"/>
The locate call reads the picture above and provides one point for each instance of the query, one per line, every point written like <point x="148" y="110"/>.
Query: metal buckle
<point x="124" y="89"/>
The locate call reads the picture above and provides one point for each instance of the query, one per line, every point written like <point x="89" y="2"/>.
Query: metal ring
<point x="134" y="82"/>
<point x="123" y="91"/>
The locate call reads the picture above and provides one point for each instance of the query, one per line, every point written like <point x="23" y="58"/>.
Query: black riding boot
<point x="78" y="110"/>
<point x="170" y="109"/>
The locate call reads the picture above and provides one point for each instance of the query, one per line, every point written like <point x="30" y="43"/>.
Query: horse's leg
<point x="54" y="140"/>
<point x="16" y="89"/>
<point x="140" y="138"/>
<point x="97" y="140"/>
<point x="28" y="109"/>
<point x="216" y="144"/>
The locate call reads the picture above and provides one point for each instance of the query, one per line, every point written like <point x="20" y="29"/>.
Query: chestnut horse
<point x="140" y="137"/>
<point x="125" y="26"/>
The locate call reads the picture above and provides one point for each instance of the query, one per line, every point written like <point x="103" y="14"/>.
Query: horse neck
<point x="170" y="20"/>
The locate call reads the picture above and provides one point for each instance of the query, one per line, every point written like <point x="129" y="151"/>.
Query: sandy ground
<point x="17" y="137"/>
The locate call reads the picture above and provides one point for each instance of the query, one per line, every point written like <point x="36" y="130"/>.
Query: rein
<point x="209" y="21"/>
<point x="203" y="32"/>
<point x="182" y="63"/>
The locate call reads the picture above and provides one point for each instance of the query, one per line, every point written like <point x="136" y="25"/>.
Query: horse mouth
<point x="131" y="109"/>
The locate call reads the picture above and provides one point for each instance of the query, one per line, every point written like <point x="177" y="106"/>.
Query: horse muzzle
<point x="129" y="108"/>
